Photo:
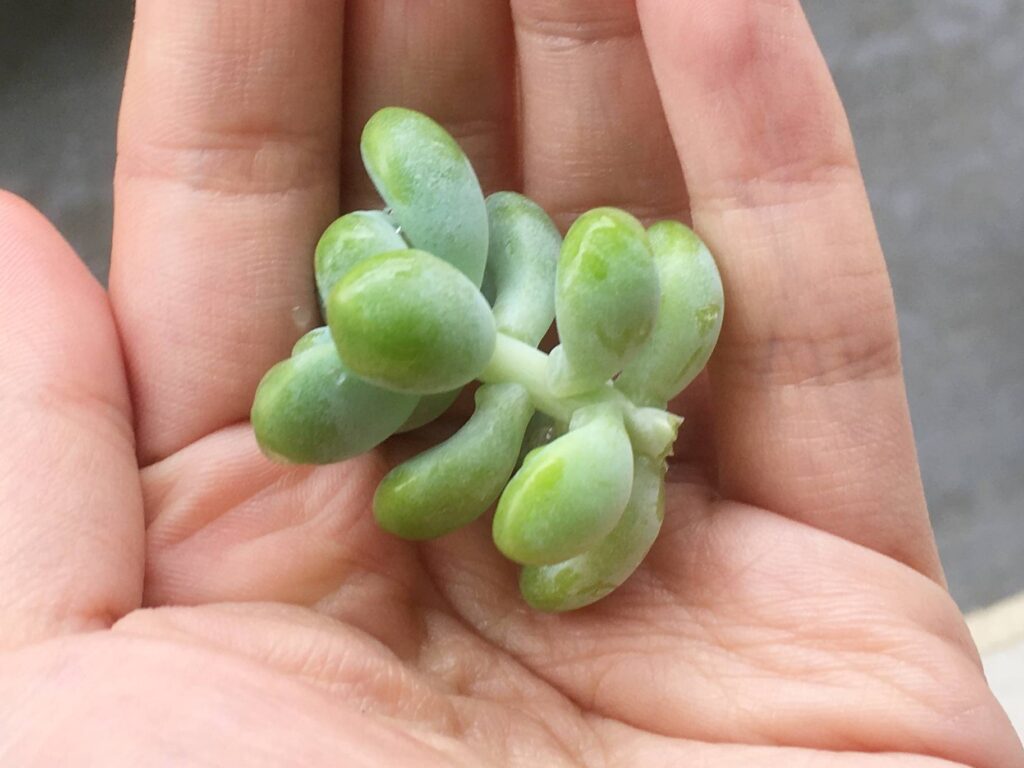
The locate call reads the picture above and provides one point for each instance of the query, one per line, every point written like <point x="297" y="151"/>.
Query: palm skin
<point x="214" y="608"/>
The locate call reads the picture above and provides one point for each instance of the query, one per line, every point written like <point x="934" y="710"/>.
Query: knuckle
<point x="570" y="25"/>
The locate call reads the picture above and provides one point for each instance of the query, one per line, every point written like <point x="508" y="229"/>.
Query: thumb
<point x="71" y="549"/>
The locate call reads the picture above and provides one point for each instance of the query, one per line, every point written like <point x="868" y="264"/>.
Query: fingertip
<point x="11" y="201"/>
<point x="20" y="221"/>
<point x="55" y="321"/>
<point x="34" y="253"/>
<point x="749" y="80"/>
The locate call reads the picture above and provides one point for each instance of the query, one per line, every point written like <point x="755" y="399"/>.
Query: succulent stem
<point x="653" y="431"/>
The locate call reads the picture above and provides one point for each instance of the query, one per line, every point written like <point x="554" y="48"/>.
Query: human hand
<point x="217" y="609"/>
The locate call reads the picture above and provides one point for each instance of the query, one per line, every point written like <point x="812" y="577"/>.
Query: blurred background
<point x="935" y="93"/>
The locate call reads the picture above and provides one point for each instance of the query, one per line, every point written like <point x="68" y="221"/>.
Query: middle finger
<point x="450" y="59"/>
<point x="594" y="132"/>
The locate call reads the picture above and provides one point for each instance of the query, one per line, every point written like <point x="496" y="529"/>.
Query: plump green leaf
<point x="428" y="183"/>
<point x="689" y="320"/>
<point x="455" y="482"/>
<point x="317" y="336"/>
<point x="349" y="240"/>
<point x="411" y="322"/>
<point x="521" y="264"/>
<point x="587" y="578"/>
<point x="429" y="409"/>
<point x="606" y="299"/>
<point x="569" y="494"/>
<point x="309" y="409"/>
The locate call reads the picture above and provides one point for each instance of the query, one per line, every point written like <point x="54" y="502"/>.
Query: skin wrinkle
<point x="586" y="81"/>
<point x="246" y="159"/>
<point x="568" y="38"/>
<point x="527" y="708"/>
<point x="310" y="663"/>
<point x="283" y="485"/>
<point x="779" y="187"/>
<point x="222" y="154"/>
<point x="955" y="638"/>
<point x="743" y="625"/>
<point x="461" y="54"/>
<point x="267" y="169"/>
<point x="580" y="654"/>
<point x="65" y="404"/>
<point x="332" y="575"/>
<point x="163" y="479"/>
<point x="772" y="673"/>
<point x="208" y="655"/>
<point x="818" y="361"/>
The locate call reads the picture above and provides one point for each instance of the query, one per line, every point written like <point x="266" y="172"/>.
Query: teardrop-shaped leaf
<point x="309" y="409"/>
<point x="689" y="320"/>
<point x="569" y="494"/>
<point x="428" y="183"/>
<point x="429" y="409"/>
<point x="521" y="264"/>
<point x="455" y="482"/>
<point x="606" y="299"/>
<point x="589" y="577"/>
<point x="351" y="239"/>
<point x="411" y="322"/>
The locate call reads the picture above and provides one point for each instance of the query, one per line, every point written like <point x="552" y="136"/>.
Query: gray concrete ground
<point x="935" y="91"/>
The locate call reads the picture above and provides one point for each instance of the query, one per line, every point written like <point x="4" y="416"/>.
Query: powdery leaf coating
<point x="410" y="322"/>
<point x="314" y="338"/>
<point x="606" y="299"/>
<point x="453" y="483"/>
<point x="408" y="325"/>
<point x="428" y="409"/>
<point x="541" y="430"/>
<point x="689" y="319"/>
<point x="569" y="494"/>
<point x="428" y="183"/>
<point x="310" y="410"/>
<point x="351" y="239"/>
<point x="589" y="577"/>
<point x="521" y="265"/>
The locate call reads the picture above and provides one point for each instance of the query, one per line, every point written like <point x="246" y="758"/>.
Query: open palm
<point x="217" y="609"/>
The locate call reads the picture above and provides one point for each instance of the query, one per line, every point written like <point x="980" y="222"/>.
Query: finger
<point x="227" y="174"/>
<point x="811" y="414"/>
<point x="70" y="502"/>
<point x="593" y="129"/>
<point x="450" y="59"/>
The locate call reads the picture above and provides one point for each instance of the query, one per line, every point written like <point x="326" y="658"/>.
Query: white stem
<point x="652" y="430"/>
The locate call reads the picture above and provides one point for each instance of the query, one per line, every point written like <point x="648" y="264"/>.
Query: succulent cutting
<point x="444" y="287"/>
